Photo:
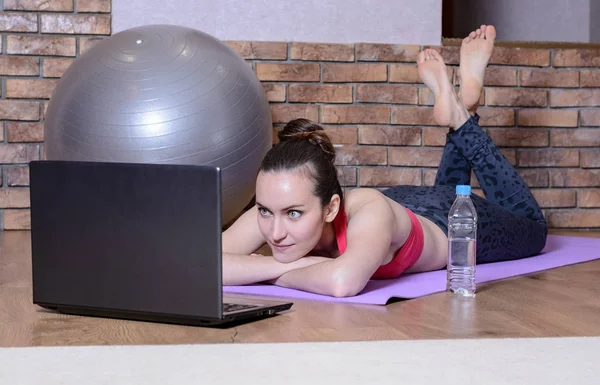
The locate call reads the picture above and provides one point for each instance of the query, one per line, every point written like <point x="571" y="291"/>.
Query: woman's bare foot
<point x="475" y="53"/>
<point x="448" y="111"/>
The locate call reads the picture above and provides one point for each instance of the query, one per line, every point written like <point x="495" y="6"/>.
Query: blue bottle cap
<point x="462" y="189"/>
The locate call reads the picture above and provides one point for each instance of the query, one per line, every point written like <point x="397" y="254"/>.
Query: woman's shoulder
<point x="356" y="198"/>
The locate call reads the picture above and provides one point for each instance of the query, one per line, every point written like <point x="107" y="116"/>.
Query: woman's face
<point x="290" y="215"/>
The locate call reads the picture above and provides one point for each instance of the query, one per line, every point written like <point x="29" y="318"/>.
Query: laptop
<point x="133" y="241"/>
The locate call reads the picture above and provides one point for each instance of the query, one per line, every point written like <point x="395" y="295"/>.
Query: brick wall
<point x="540" y="106"/>
<point x="40" y="38"/>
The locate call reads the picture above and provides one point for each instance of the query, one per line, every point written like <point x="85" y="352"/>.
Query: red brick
<point x="17" y="176"/>
<point x="342" y="134"/>
<point x="575" y="98"/>
<point x="555" y="198"/>
<point x="25" y="132"/>
<point x="389" y="135"/>
<point x="573" y="218"/>
<point x="322" y="51"/>
<point x="55" y="67"/>
<point x="479" y="192"/>
<point x="434" y="136"/>
<point x="306" y="72"/>
<point x="336" y="73"/>
<point x="497" y="76"/>
<point x="404" y="73"/>
<point x="415" y="156"/>
<point x="100" y="6"/>
<point x="361" y="156"/>
<point x="535" y="177"/>
<point x="355" y="114"/>
<point x="18" y="22"/>
<point x="387" y="52"/>
<point x="590" y="157"/>
<point x="578" y="57"/>
<point x="39" y="5"/>
<point x="588" y="198"/>
<point x="429" y="176"/>
<point x="19" y="153"/>
<point x="450" y="54"/>
<point x="493" y="116"/>
<point x="388" y="176"/>
<point x="519" y="137"/>
<point x="548" y="78"/>
<point x="510" y="154"/>
<point x="551" y="157"/>
<point x="386" y="93"/>
<point x="40" y="45"/>
<point x="30" y="88"/>
<point x="265" y="50"/>
<point x="44" y="108"/>
<point x="579" y="137"/>
<point x="515" y="97"/>
<point x="275" y="92"/>
<point x="534" y="57"/>
<point x="574" y="178"/>
<point x="76" y="24"/>
<point x="14" y="198"/>
<point x="86" y="43"/>
<point x="413" y="116"/>
<point x="283" y="113"/>
<point x="19" y="66"/>
<point x="17" y="219"/>
<point x="590" y="117"/>
<point x="347" y="176"/>
<point x="547" y="118"/>
<point x="320" y="93"/>
<point x="19" y="110"/>
<point x="474" y="181"/>
<point x="590" y="78"/>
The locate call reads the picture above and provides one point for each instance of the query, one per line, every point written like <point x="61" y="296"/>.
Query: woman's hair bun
<point x="305" y="129"/>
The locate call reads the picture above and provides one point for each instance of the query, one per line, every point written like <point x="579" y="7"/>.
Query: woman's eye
<point x="294" y="214"/>
<point x="263" y="211"/>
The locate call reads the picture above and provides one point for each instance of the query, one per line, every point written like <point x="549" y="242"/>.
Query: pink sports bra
<point x="406" y="257"/>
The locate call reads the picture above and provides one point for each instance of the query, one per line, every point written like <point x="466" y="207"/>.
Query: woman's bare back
<point x="435" y="250"/>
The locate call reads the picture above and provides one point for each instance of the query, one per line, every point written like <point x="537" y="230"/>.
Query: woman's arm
<point x="369" y="237"/>
<point x="247" y="269"/>
<point x="243" y="236"/>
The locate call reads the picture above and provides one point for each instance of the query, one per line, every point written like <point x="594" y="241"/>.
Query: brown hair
<point x="304" y="143"/>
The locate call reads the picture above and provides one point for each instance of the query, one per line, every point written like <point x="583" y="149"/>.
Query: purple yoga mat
<point x="559" y="251"/>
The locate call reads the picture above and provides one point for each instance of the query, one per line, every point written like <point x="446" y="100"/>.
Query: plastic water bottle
<point x="462" y="243"/>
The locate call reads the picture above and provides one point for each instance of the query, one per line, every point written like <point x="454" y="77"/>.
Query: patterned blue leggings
<point x="511" y="224"/>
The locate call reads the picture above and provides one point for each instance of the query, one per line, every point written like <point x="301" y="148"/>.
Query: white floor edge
<point x="566" y="360"/>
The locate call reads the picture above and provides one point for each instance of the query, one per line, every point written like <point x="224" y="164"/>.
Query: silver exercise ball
<point x="163" y="94"/>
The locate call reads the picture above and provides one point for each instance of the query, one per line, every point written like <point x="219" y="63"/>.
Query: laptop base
<point x="228" y="320"/>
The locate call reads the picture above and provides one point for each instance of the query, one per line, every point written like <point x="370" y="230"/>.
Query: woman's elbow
<point x="344" y="285"/>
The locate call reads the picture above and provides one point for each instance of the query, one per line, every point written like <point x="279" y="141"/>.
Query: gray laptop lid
<point x="134" y="237"/>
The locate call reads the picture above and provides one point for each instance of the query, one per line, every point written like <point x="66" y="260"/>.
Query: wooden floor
<point x="560" y="302"/>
